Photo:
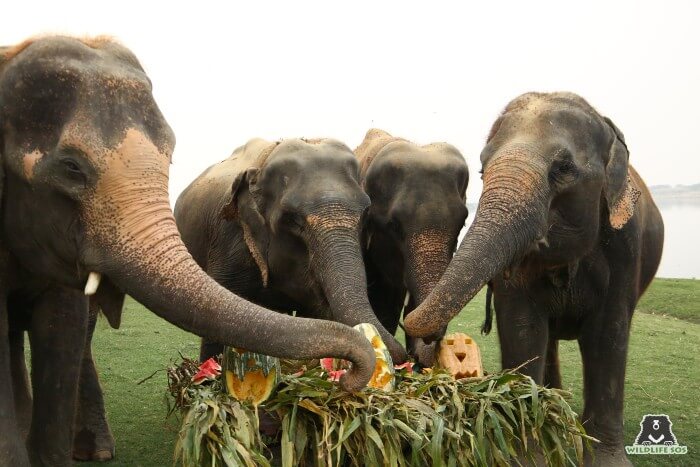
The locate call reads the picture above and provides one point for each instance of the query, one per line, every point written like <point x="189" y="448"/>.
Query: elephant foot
<point x="606" y="456"/>
<point x="270" y="424"/>
<point x="89" y="445"/>
<point x="14" y="452"/>
<point x="43" y="454"/>
<point x="532" y="457"/>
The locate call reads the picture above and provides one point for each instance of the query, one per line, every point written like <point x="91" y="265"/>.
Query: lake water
<point x="681" y="257"/>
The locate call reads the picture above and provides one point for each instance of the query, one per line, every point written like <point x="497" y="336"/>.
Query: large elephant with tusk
<point x="418" y="195"/>
<point x="84" y="165"/>
<point x="570" y="238"/>
<point x="279" y="223"/>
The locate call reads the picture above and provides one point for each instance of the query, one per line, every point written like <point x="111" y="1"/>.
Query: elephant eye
<point x="293" y="219"/>
<point x="563" y="171"/>
<point x="71" y="166"/>
<point x="395" y="226"/>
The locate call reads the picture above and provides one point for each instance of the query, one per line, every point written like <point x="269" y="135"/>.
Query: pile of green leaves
<point x="429" y="419"/>
<point x="216" y="428"/>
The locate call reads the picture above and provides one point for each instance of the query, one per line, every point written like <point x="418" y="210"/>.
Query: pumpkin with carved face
<point x="460" y="355"/>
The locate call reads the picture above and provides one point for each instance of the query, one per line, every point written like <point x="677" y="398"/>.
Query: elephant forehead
<point x="433" y="157"/>
<point x="40" y="57"/>
<point x="311" y="149"/>
<point x="47" y="93"/>
<point x="313" y="162"/>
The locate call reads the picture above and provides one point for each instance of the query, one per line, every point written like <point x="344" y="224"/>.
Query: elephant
<point x="279" y="223"/>
<point x="84" y="159"/>
<point x="570" y="238"/>
<point x="418" y="207"/>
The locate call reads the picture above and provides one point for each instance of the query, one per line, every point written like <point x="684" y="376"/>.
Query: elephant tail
<point x="488" y="318"/>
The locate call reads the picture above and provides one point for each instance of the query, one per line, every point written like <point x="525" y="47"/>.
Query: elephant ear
<point x="621" y="194"/>
<point x="242" y="208"/>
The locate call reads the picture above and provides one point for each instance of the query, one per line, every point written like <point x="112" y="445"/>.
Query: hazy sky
<point x="428" y="71"/>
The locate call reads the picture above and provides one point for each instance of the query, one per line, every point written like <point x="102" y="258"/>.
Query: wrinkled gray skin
<point x="84" y="158"/>
<point x="418" y="196"/>
<point x="570" y="237"/>
<point x="279" y="224"/>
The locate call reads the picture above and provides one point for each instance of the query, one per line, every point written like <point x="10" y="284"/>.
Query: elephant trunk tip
<point x="418" y="323"/>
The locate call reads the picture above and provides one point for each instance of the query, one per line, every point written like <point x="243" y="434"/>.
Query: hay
<point x="429" y="419"/>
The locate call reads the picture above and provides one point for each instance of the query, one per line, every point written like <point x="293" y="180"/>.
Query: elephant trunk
<point x="428" y="254"/>
<point x="135" y="242"/>
<point x="336" y="256"/>
<point x="511" y="216"/>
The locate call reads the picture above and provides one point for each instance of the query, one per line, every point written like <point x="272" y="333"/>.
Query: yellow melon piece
<point x="383" y="376"/>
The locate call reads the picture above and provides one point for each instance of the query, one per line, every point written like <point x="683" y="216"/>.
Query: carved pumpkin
<point x="250" y="376"/>
<point x="460" y="355"/>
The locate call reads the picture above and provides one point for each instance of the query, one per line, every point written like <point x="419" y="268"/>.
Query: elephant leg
<point x="57" y="336"/>
<point x="20" y="382"/>
<point x="523" y="332"/>
<point x="93" y="438"/>
<point x="12" y="449"/>
<point x="603" y="345"/>
<point x="552" y="375"/>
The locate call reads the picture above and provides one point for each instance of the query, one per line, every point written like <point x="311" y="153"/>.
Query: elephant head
<point x="418" y="208"/>
<point x="85" y="154"/>
<point x="555" y="172"/>
<point x="300" y="206"/>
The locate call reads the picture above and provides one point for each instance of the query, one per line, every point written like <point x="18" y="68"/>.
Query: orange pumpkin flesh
<point x="255" y="386"/>
<point x="250" y="376"/>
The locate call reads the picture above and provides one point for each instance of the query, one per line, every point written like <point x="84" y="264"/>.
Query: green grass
<point x="675" y="297"/>
<point x="663" y="372"/>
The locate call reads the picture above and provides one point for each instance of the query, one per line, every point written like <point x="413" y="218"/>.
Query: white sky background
<point x="428" y="71"/>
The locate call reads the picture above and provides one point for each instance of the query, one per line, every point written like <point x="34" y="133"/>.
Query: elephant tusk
<point x="405" y="300"/>
<point x="93" y="282"/>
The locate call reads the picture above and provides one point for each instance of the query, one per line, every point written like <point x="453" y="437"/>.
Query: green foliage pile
<point x="429" y="419"/>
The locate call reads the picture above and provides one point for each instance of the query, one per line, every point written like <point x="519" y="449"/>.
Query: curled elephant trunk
<point x="337" y="257"/>
<point x="511" y="216"/>
<point x="135" y="242"/>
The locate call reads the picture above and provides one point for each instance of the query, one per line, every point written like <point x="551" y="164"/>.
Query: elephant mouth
<point x="107" y="296"/>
